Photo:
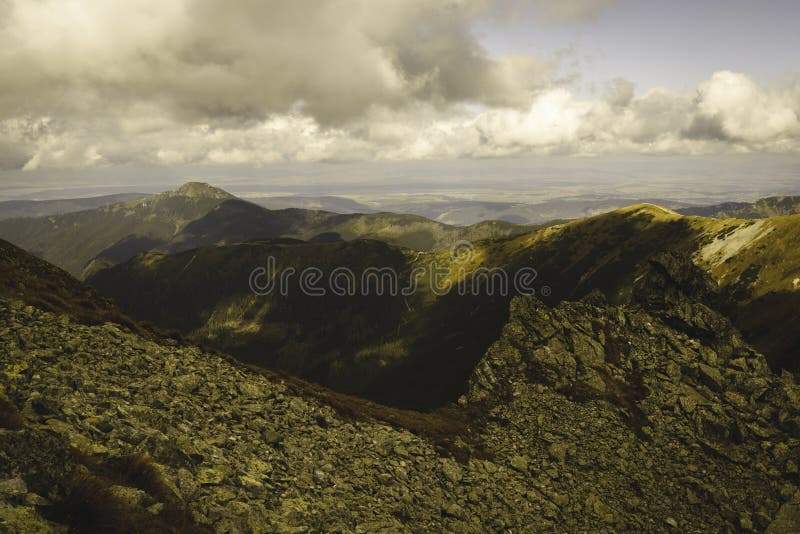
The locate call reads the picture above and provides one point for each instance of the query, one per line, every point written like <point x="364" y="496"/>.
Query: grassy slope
<point x="418" y="351"/>
<point x="410" y="352"/>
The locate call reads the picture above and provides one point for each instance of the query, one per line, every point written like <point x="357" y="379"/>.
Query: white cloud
<point x="204" y="81"/>
<point x="729" y="113"/>
<point x="745" y="111"/>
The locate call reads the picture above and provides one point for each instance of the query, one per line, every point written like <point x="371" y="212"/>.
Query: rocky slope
<point x="652" y="415"/>
<point x="34" y="281"/>
<point x="657" y="405"/>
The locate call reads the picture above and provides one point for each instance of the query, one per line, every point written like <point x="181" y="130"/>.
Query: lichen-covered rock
<point x="648" y="416"/>
<point x="653" y="414"/>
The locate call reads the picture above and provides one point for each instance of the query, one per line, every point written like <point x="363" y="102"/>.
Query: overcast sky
<point x="106" y="84"/>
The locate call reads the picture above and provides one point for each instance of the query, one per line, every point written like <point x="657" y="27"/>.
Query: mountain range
<point x="392" y="349"/>
<point x="10" y="209"/>
<point x="648" y="415"/>
<point x="458" y="211"/>
<point x="199" y="215"/>
<point x="643" y="381"/>
<point x="760" y="209"/>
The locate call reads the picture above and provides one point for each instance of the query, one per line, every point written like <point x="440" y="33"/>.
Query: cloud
<point x="620" y="92"/>
<point x="742" y="110"/>
<point x="728" y="113"/>
<point x="256" y="81"/>
<point x="216" y="60"/>
<point x="574" y="10"/>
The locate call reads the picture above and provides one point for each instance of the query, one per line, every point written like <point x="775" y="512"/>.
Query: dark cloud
<point x="708" y="127"/>
<point x="212" y="59"/>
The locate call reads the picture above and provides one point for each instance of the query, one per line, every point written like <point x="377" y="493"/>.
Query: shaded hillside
<point x="39" y="208"/>
<point x="760" y="209"/>
<point x="413" y="351"/>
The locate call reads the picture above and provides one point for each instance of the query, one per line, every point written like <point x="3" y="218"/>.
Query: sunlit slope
<point x="417" y="350"/>
<point x="756" y="264"/>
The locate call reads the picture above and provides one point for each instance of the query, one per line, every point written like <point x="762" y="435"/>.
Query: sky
<point x="106" y="87"/>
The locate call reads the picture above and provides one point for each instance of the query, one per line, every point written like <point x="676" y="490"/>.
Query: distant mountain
<point x="465" y="212"/>
<point x="199" y="215"/>
<point x="38" y="208"/>
<point x="760" y="209"/>
<point x="236" y="220"/>
<point x="322" y="203"/>
<point x="73" y="240"/>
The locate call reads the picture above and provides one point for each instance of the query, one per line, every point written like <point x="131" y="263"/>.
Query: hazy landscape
<point x="355" y="267"/>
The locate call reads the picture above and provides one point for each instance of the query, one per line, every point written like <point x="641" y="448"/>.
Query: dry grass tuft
<point x="89" y="505"/>
<point x="10" y="418"/>
<point x="141" y="472"/>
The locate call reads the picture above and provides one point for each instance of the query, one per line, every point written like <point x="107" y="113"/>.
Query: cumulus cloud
<point x="257" y="81"/>
<point x="211" y="59"/>
<point x="729" y="112"/>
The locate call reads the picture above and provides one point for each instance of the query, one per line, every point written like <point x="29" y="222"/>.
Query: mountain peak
<point x="201" y="190"/>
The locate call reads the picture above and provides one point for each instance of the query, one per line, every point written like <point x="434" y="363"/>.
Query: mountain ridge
<point x="582" y="416"/>
<point x="197" y="214"/>
<point x="399" y="359"/>
<point x="774" y="206"/>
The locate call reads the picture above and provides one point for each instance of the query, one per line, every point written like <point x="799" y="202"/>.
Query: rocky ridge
<point x="651" y="415"/>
